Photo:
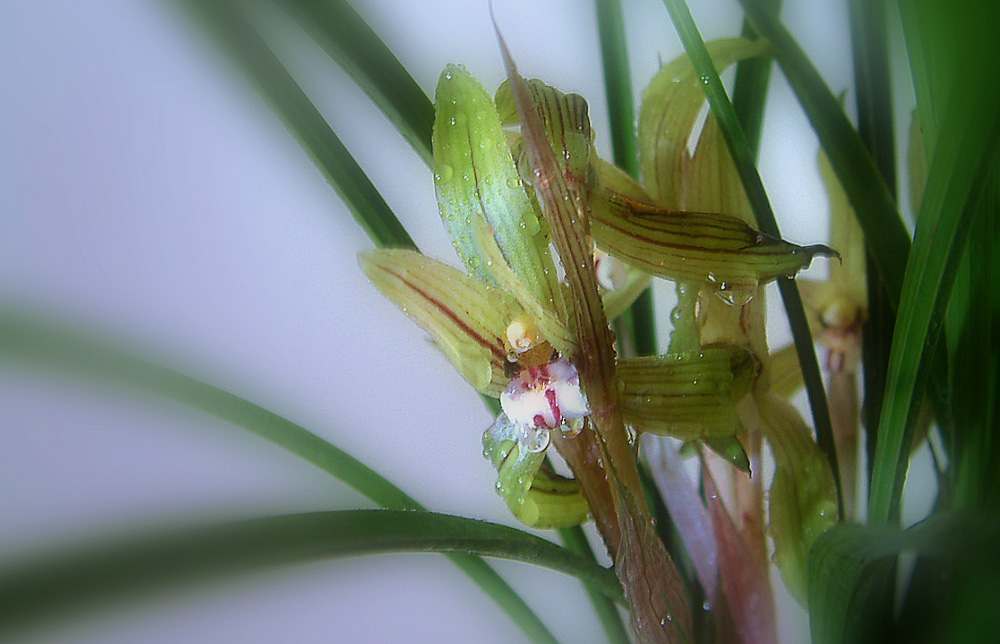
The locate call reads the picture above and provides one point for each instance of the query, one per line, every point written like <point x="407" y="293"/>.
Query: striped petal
<point x="466" y="318"/>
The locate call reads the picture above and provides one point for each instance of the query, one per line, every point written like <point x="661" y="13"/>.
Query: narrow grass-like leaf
<point x="348" y="40"/>
<point x="844" y="579"/>
<point x="33" y="341"/>
<point x="742" y="157"/>
<point x="607" y="611"/>
<point x="618" y="84"/>
<point x="964" y="163"/>
<point x="227" y="25"/>
<point x="34" y="590"/>
<point x="750" y="87"/>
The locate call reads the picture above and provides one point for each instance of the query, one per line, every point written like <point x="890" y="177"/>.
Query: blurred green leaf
<point x="349" y="41"/>
<point x="963" y="165"/>
<point x="844" y="575"/>
<point x="226" y="24"/>
<point x="33" y="590"/>
<point x="33" y="341"/>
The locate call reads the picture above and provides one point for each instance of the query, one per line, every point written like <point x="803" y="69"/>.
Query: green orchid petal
<point x="803" y="498"/>
<point x="565" y="119"/>
<point x="710" y="249"/>
<point x="538" y="497"/>
<point x="687" y="396"/>
<point x="476" y="180"/>
<point x="549" y="321"/>
<point x="786" y="372"/>
<point x="713" y="183"/>
<point x="849" y="275"/>
<point x="670" y="108"/>
<point x="467" y="318"/>
<point x="731" y="450"/>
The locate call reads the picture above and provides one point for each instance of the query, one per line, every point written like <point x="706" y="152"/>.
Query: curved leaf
<point x="348" y="40"/>
<point x="38" y="342"/>
<point x="35" y="590"/>
<point x="228" y="26"/>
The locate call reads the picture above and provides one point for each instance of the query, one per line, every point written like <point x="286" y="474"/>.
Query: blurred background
<point x="147" y="193"/>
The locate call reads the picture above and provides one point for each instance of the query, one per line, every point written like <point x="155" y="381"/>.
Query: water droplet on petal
<point x="535" y="440"/>
<point x="444" y="174"/>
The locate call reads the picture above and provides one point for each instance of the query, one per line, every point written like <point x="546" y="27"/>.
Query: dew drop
<point x="447" y="75"/>
<point x="444" y="174"/>
<point x="534" y="440"/>
<point x="704" y="79"/>
<point x="705" y="606"/>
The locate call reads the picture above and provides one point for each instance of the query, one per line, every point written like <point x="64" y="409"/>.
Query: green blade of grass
<point x="867" y="191"/>
<point x="875" y="126"/>
<point x="972" y="383"/>
<point x="35" y="590"/>
<point x="229" y="27"/>
<point x="844" y="574"/>
<point x="32" y="341"/>
<point x="604" y="606"/>
<point x="349" y="41"/>
<point x="750" y="87"/>
<point x="736" y="141"/>
<point x="962" y="166"/>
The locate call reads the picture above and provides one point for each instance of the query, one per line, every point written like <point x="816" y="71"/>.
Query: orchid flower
<point x="522" y="324"/>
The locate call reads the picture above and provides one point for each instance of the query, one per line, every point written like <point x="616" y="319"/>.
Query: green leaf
<point x="607" y="612"/>
<point x="640" y="323"/>
<point x="844" y="578"/>
<point x="35" y="590"/>
<point x="348" y="40"/>
<point x="467" y="318"/>
<point x="753" y="77"/>
<point x="33" y="341"/>
<point x="228" y="26"/>
<point x="963" y="165"/>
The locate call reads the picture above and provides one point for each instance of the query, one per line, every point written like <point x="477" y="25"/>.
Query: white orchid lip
<point x="546" y="396"/>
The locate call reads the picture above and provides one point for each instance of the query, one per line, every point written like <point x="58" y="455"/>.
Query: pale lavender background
<point x="146" y="190"/>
